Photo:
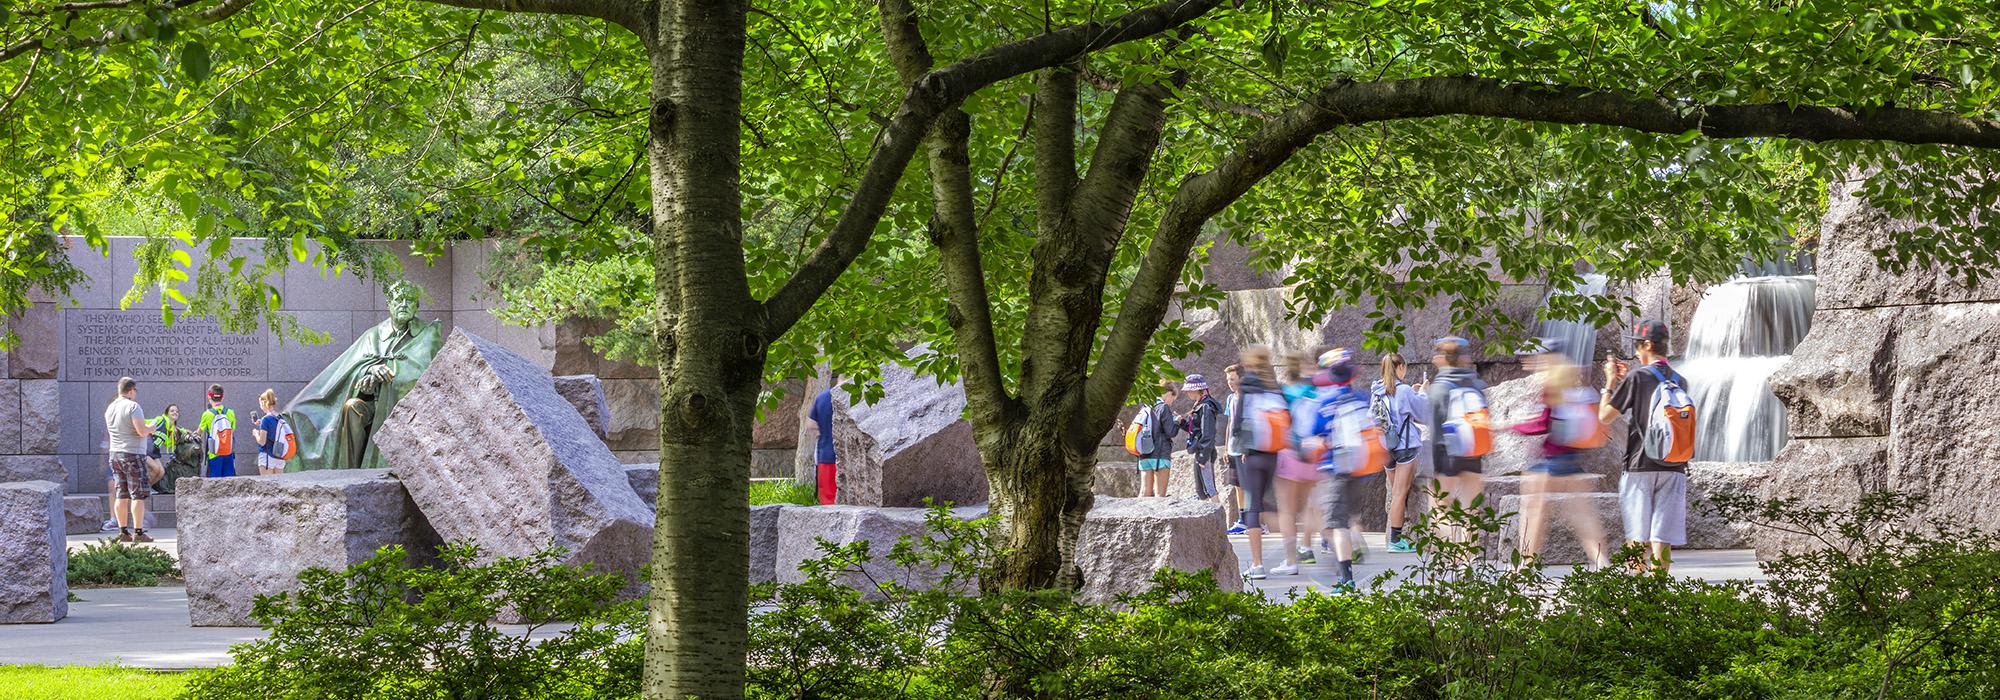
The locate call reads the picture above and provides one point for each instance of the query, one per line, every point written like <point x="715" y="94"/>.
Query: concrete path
<point x="164" y="540"/>
<point x="148" y="627"/>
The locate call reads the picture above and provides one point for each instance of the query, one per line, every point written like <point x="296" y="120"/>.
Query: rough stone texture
<point x="645" y="480"/>
<point x="772" y="464"/>
<point x="1821" y="473"/>
<point x="493" y="456"/>
<point x="1116" y="479"/>
<point x="10" y="416"/>
<point x="1942" y="433"/>
<point x="1849" y="275"/>
<point x="247" y="536"/>
<point x="1561" y="545"/>
<point x="911" y="444"/>
<point x="33" y="468"/>
<point x="1839" y="380"/>
<point x="635" y="414"/>
<point x="38" y="355"/>
<point x="34" y="559"/>
<point x="83" y="515"/>
<point x="764" y="542"/>
<point x="1124" y="540"/>
<point x="41" y="416"/>
<point x="778" y="428"/>
<point x="1229" y="269"/>
<point x="1707" y="529"/>
<point x="800" y="529"/>
<point x="586" y="393"/>
<point x="1520" y="400"/>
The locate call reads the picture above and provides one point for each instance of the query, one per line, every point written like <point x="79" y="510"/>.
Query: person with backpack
<point x="218" y="429"/>
<point x="1568" y="421"/>
<point x="1232" y="458"/>
<point x="1203" y="424"/>
<point x="1349" y="448"/>
<point x="1398" y="410"/>
<point x="1298" y="471"/>
<point x="1659" y="441"/>
<point x="1263" y="427"/>
<point x="1459" y="433"/>
<point x="276" y="444"/>
<point x="1150" y="437"/>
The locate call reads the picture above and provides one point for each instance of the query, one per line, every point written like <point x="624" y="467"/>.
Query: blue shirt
<point x="822" y="416"/>
<point x="268" y="424"/>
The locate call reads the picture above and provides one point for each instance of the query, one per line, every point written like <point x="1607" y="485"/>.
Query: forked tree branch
<point x="928" y="97"/>
<point x="1348" y="103"/>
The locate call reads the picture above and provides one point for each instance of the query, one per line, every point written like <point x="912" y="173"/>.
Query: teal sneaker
<point x="1402" y="547"/>
<point x="1306" y="556"/>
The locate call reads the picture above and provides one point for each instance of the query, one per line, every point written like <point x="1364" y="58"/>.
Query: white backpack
<point x="1467" y="429"/>
<point x="1670" y="426"/>
<point x="1573" y="422"/>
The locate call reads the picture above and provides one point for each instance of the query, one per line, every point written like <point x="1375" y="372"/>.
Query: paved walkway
<point x="148" y="627"/>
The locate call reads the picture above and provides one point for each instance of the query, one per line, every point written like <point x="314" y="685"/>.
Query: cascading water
<point x="1743" y="331"/>
<point x="1579" y="338"/>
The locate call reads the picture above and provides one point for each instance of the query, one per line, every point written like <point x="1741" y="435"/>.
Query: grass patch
<point x="86" y="683"/>
<point x="764" y="492"/>
<point x="110" y="563"/>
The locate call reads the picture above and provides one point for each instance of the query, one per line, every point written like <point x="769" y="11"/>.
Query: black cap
<point x="1653" y="331"/>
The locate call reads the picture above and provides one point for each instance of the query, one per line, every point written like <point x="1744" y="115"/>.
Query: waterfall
<point x="1579" y="337"/>
<point x="1743" y="331"/>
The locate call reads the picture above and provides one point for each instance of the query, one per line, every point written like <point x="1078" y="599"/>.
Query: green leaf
<point x="195" y="61"/>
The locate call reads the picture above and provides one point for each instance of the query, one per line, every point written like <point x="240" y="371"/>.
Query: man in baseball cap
<point x="1652" y="492"/>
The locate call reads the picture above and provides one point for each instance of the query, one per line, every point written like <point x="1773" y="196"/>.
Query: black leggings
<point x="1259" y="477"/>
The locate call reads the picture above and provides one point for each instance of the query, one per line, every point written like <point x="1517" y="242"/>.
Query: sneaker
<point x="1360" y="550"/>
<point x="1238" y="528"/>
<point x="124" y="537"/>
<point x="1346" y="585"/>
<point x="109" y="525"/>
<point x="1256" y="573"/>
<point x="1325" y="546"/>
<point x="1306" y="557"/>
<point x="1402" y="547"/>
<point x="141" y="536"/>
<point x="1285" y="570"/>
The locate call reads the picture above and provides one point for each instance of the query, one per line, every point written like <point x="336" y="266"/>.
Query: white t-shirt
<point x="118" y="419"/>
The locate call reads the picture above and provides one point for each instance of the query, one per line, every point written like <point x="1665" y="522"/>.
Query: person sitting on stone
<point x="336" y="416"/>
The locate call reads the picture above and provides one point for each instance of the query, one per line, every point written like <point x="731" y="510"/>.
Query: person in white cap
<point x="1203" y="429"/>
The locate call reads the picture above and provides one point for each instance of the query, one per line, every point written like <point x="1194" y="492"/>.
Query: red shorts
<point x="826" y="486"/>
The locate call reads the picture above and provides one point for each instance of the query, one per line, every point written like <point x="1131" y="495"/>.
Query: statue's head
<point x="403" y="298"/>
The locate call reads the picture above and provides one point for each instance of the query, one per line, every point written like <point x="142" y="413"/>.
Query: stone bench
<point x="800" y="529"/>
<point x="249" y="535"/>
<point x="1125" y="540"/>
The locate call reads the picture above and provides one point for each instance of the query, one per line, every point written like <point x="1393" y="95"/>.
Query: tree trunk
<point x="711" y="338"/>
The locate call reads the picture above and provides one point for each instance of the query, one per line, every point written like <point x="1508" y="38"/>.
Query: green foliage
<point x="782" y="491"/>
<point x="108" y="562"/>
<point x="390" y="628"/>
<point x="71" y="682"/>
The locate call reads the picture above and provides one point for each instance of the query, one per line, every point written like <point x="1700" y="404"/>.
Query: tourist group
<point x="141" y="447"/>
<point x="1285" y="439"/>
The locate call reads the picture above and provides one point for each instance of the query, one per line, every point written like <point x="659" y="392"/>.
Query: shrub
<point x="385" y="628"/>
<point x="765" y="492"/>
<point x="109" y="562"/>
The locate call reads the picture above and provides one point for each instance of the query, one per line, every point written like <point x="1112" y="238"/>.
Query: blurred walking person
<point x="1569" y="422"/>
<point x="1263" y="428"/>
<point x="1459" y="432"/>
<point x="1298" y="472"/>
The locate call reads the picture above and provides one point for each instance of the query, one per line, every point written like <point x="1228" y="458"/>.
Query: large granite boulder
<point x="1562" y="544"/>
<point x="800" y="530"/>
<point x="41" y="416"/>
<point x="247" y="536"/>
<point x="33" y="468"/>
<point x="1821" y="473"/>
<point x="912" y="443"/>
<point x="1116" y="479"/>
<point x="1706" y="527"/>
<point x="10" y="416"/>
<point x="1520" y="400"/>
<point x="1943" y="439"/>
<point x="83" y="515"/>
<point x="1850" y="276"/>
<point x="586" y="393"/>
<point x="645" y="481"/>
<point x="493" y="456"/>
<point x="764" y="541"/>
<point x="1840" y="378"/>
<point x="34" y="558"/>
<point x="1125" y="540"/>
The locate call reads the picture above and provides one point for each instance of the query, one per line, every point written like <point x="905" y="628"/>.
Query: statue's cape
<point x="316" y="413"/>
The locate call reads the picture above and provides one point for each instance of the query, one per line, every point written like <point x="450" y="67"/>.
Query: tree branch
<point x="635" y="16"/>
<point x="1055" y="148"/>
<point x="1348" y="103"/>
<point x="122" y="34"/>
<point x="953" y="228"/>
<point x="928" y="97"/>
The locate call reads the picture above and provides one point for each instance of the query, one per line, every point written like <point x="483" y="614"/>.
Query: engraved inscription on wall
<point x="104" y="345"/>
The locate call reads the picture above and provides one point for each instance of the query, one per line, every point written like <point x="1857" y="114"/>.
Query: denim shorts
<point x="1559" y="465"/>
